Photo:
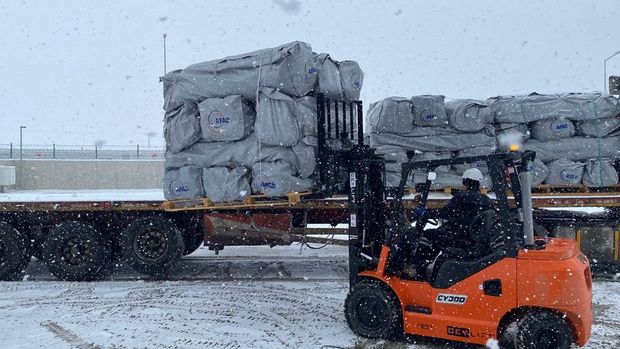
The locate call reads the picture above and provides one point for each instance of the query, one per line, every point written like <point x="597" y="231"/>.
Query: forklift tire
<point x="373" y="311"/>
<point x="14" y="255"/>
<point x="76" y="251"/>
<point x="543" y="329"/>
<point x="152" y="245"/>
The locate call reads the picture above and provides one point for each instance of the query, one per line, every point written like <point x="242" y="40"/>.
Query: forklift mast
<point x="347" y="165"/>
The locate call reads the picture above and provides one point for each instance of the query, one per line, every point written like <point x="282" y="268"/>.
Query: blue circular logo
<point x="216" y="120"/>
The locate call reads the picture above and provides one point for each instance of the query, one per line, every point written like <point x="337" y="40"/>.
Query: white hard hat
<point x="474" y="174"/>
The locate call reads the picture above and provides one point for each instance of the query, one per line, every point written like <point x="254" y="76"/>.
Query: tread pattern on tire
<point x="52" y="255"/>
<point x="395" y="328"/>
<point x="160" y="267"/>
<point x="533" y="322"/>
<point x="17" y="257"/>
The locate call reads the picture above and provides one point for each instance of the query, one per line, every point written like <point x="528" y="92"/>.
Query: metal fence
<point x="77" y="152"/>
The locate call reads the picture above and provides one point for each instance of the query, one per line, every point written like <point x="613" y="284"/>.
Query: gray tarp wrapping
<point x="226" y="119"/>
<point x="600" y="173"/>
<point x="598" y="128"/>
<point x="307" y="115"/>
<point x="305" y="152"/>
<point x="246" y="153"/>
<point x="575" y="148"/>
<point x="469" y="115"/>
<point x="506" y="128"/>
<point x="429" y="111"/>
<point x="276" y="119"/>
<point x="477" y="151"/>
<point x="182" y="128"/>
<point x="339" y="80"/>
<point x="434" y="139"/>
<point x="572" y="106"/>
<point x="289" y="68"/>
<point x="539" y="171"/>
<point x="277" y="179"/>
<point x="222" y="184"/>
<point x="564" y="172"/>
<point x="552" y="129"/>
<point x="391" y="115"/>
<point x="184" y="183"/>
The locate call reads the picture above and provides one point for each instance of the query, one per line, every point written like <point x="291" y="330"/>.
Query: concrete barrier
<point x="88" y="174"/>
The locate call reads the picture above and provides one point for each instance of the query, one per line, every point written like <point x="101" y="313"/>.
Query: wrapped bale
<point x="246" y="153"/>
<point x="600" y="173"/>
<point x="575" y="148"/>
<point x="429" y="111"/>
<point x="435" y="139"/>
<point x="552" y="129"/>
<point x="339" y="80"/>
<point x="572" y="106"/>
<point x="307" y="115"/>
<point x="598" y="128"/>
<point x="477" y="151"/>
<point x="277" y="179"/>
<point x="226" y="119"/>
<point x="469" y="115"/>
<point x="222" y="184"/>
<point x="564" y="172"/>
<point x="289" y="68"/>
<point x="276" y="119"/>
<point x="183" y="183"/>
<point x="391" y="115"/>
<point x="539" y="171"/>
<point x="182" y="127"/>
<point x="508" y="133"/>
<point x="305" y="153"/>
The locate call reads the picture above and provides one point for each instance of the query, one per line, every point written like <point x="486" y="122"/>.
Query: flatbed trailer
<point x="593" y="219"/>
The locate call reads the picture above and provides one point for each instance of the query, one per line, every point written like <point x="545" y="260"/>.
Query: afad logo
<point x="311" y="70"/>
<point x="559" y="126"/>
<point x="217" y="120"/>
<point x="178" y="190"/>
<point x="267" y="185"/>
<point x="568" y="176"/>
<point x="427" y="117"/>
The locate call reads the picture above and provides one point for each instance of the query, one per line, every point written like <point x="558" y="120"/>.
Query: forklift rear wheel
<point x="14" y="255"/>
<point x="543" y="330"/>
<point x="373" y="311"/>
<point x="76" y="251"/>
<point x="152" y="245"/>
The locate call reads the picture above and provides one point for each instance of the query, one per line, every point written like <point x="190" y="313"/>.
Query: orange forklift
<point x="523" y="291"/>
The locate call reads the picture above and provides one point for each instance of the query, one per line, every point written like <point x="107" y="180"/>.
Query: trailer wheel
<point x="14" y="255"/>
<point x="152" y="245"/>
<point x="373" y="311"/>
<point x="76" y="251"/>
<point x="543" y="330"/>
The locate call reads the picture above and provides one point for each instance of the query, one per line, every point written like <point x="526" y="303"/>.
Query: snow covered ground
<point x="248" y="297"/>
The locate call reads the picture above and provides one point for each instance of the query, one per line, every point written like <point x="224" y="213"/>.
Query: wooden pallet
<point x="551" y="189"/>
<point x="446" y="190"/>
<point x="251" y="201"/>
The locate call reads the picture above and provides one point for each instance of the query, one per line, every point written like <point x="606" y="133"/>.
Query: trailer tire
<point x="76" y="251"/>
<point x="152" y="245"/>
<point x="373" y="311"/>
<point x="542" y="329"/>
<point x="14" y="255"/>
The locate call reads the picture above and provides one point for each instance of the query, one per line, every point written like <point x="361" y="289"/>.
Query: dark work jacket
<point x="461" y="211"/>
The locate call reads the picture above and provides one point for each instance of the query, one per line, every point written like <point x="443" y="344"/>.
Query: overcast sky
<point x="76" y="72"/>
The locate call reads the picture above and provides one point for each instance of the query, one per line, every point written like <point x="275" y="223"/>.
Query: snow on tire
<point x="14" y="255"/>
<point x="542" y="329"/>
<point x="76" y="251"/>
<point x="373" y="311"/>
<point x="152" y="245"/>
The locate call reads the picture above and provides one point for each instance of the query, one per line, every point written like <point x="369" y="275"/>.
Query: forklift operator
<point x="460" y="212"/>
<point x="453" y="235"/>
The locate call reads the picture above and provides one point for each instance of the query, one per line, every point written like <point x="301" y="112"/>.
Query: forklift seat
<point x="455" y="264"/>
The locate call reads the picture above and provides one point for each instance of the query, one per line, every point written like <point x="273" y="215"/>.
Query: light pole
<point x="605" y="69"/>
<point x="21" y="156"/>
<point x="164" y="36"/>
<point x="148" y="138"/>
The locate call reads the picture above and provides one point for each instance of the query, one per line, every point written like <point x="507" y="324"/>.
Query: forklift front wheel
<point x="372" y="310"/>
